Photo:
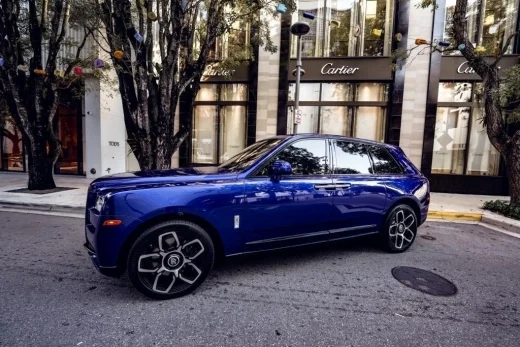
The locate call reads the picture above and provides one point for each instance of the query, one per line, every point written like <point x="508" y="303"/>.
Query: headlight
<point x="99" y="202"/>
<point x="421" y="192"/>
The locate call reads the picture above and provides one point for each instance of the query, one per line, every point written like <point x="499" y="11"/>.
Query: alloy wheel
<point x="402" y="229"/>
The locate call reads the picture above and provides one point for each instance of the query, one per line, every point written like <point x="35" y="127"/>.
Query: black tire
<point x="170" y="259"/>
<point x="399" y="231"/>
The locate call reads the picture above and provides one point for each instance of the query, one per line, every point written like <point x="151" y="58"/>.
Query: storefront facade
<point x="457" y="154"/>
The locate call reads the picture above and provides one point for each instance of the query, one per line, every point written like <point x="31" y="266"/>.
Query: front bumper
<point x="115" y="272"/>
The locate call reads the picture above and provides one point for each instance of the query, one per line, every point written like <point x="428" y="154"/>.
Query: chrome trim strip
<point x="286" y="238"/>
<point x="340" y="230"/>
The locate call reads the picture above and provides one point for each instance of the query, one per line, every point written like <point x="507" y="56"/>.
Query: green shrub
<point x="504" y="208"/>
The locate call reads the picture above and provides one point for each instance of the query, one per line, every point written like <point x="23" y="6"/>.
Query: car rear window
<point x="384" y="162"/>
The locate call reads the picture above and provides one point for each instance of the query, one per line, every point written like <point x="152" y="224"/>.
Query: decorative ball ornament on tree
<point x="78" y="70"/>
<point x="59" y="73"/>
<point x="398" y="37"/>
<point x="480" y="49"/>
<point x="281" y="8"/>
<point x="98" y="64"/>
<point x="308" y="15"/>
<point x="461" y="47"/>
<point x="377" y="32"/>
<point x="419" y="42"/>
<point x="138" y="37"/>
<point x="335" y="23"/>
<point x="140" y="3"/>
<point x="1" y="61"/>
<point x="444" y="44"/>
<point x="152" y="16"/>
<point x="119" y="55"/>
<point x="40" y="72"/>
<point x="23" y="68"/>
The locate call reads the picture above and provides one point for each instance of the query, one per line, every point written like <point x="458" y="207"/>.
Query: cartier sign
<point x="457" y="68"/>
<point x="330" y="69"/>
<point x="212" y="73"/>
<point x="344" y="69"/>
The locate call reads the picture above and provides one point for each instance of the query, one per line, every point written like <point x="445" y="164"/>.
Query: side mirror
<point x="280" y="168"/>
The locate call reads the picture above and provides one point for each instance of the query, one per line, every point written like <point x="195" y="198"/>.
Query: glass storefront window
<point x="308" y="92"/>
<point x="454" y="92"/>
<point x="12" y="146"/>
<point x="339" y="112"/>
<point x="219" y="129"/>
<point x="449" y="146"/>
<point x="483" y="158"/>
<point x="68" y="135"/>
<point x="204" y="138"/>
<point x="346" y="28"/>
<point x="232" y="131"/>
<point x="490" y="22"/>
<point x="461" y="144"/>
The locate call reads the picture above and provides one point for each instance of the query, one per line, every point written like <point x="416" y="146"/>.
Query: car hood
<point x="162" y="177"/>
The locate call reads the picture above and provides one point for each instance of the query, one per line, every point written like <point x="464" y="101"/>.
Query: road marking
<point x="46" y="213"/>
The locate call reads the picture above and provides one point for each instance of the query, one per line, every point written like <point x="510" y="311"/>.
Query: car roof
<point x="330" y="136"/>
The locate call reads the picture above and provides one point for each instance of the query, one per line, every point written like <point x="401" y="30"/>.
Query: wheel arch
<point x="406" y="200"/>
<point x="134" y="234"/>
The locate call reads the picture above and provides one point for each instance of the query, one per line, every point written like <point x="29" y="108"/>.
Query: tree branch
<point x="504" y="48"/>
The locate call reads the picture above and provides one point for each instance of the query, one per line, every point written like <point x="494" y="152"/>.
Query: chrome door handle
<point x="325" y="186"/>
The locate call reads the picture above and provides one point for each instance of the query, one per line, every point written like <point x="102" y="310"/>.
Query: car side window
<point x="307" y="157"/>
<point x="384" y="163"/>
<point x="351" y="158"/>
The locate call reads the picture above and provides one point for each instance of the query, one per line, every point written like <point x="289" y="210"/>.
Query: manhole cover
<point x="424" y="281"/>
<point x="428" y="237"/>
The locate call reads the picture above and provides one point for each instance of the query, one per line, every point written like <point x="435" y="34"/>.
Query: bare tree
<point x="32" y="35"/>
<point x="160" y="50"/>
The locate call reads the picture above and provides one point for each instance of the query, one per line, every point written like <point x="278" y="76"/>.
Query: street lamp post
<point x="298" y="29"/>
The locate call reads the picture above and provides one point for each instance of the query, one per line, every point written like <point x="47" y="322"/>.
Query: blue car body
<point x="244" y="212"/>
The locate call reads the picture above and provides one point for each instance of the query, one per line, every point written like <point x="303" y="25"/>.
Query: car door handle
<point x="326" y="186"/>
<point x="332" y="186"/>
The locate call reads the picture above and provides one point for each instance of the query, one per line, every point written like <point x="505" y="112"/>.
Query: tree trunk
<point x="512" y="159"/>
<point x="40" y="172"/>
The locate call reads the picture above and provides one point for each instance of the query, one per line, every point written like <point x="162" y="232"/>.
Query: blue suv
<point x="167" y="227"/>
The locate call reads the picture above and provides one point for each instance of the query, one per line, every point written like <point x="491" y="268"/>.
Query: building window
<point x="235" y="42"/>
<point x="490" y="23"/>
<point x="347" y="28"/>
<point x="219" y="123"/>
<point x="12" y="155"/>
<point x="348" y="109"/>
<point x="461" y="145"/>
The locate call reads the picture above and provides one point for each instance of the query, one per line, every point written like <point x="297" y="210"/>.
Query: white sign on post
<point x="298" y="116"/>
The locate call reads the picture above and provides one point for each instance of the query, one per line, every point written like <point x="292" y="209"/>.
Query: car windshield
<point x="248" y="156"/>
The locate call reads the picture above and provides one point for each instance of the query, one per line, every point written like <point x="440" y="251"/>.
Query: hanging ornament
<point x="98" y="64"/>
<point x="40" y="72"/>
<point x="119" y="55"/>
<point x="480" y="49"/>
<point x="23" y="68"/>
<point x="398" y="37"/>
<point x="1" y="61"/>
<point x="78" y="70"/>
<point x="461" y="47"/>
<point x="444" y="44"/>
<point x="138" y="37"/>
<point x="334" y="23"/>
<point x="377" y="32"/>
<point x="152" y="16"/>
<point x="419" y="42"/>
<point x="493" y="29"/>
<point x="308" y="15"/>
<point x="59" y="73"/>
<point x="357" y="31"/>
<point x="281" y="8"/>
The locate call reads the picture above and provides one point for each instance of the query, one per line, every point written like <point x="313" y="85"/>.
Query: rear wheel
<point x="399" y="230"/>
<point x="170" y="259"/>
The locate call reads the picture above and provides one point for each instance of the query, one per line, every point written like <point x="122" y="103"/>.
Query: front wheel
<point x="170" y="259"/>
<point x="399" y="230"/>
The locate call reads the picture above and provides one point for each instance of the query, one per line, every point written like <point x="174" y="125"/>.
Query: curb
<point x="455" y="216"/>
<point x="511" y="226"/>
<point x="42" y="207"/>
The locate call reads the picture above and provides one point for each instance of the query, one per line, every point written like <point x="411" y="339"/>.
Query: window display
<point x="334" y="108"/>
<point x="219" y="123"/>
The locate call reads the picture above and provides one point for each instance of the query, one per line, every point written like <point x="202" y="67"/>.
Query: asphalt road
<point x="338" y="295"/>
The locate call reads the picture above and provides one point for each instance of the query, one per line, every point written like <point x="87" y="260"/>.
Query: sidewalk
<point x="452" y="207"/>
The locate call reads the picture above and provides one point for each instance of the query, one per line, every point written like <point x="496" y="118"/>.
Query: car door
<point x="295" y="209"/>
<point x="360" y="196"/>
